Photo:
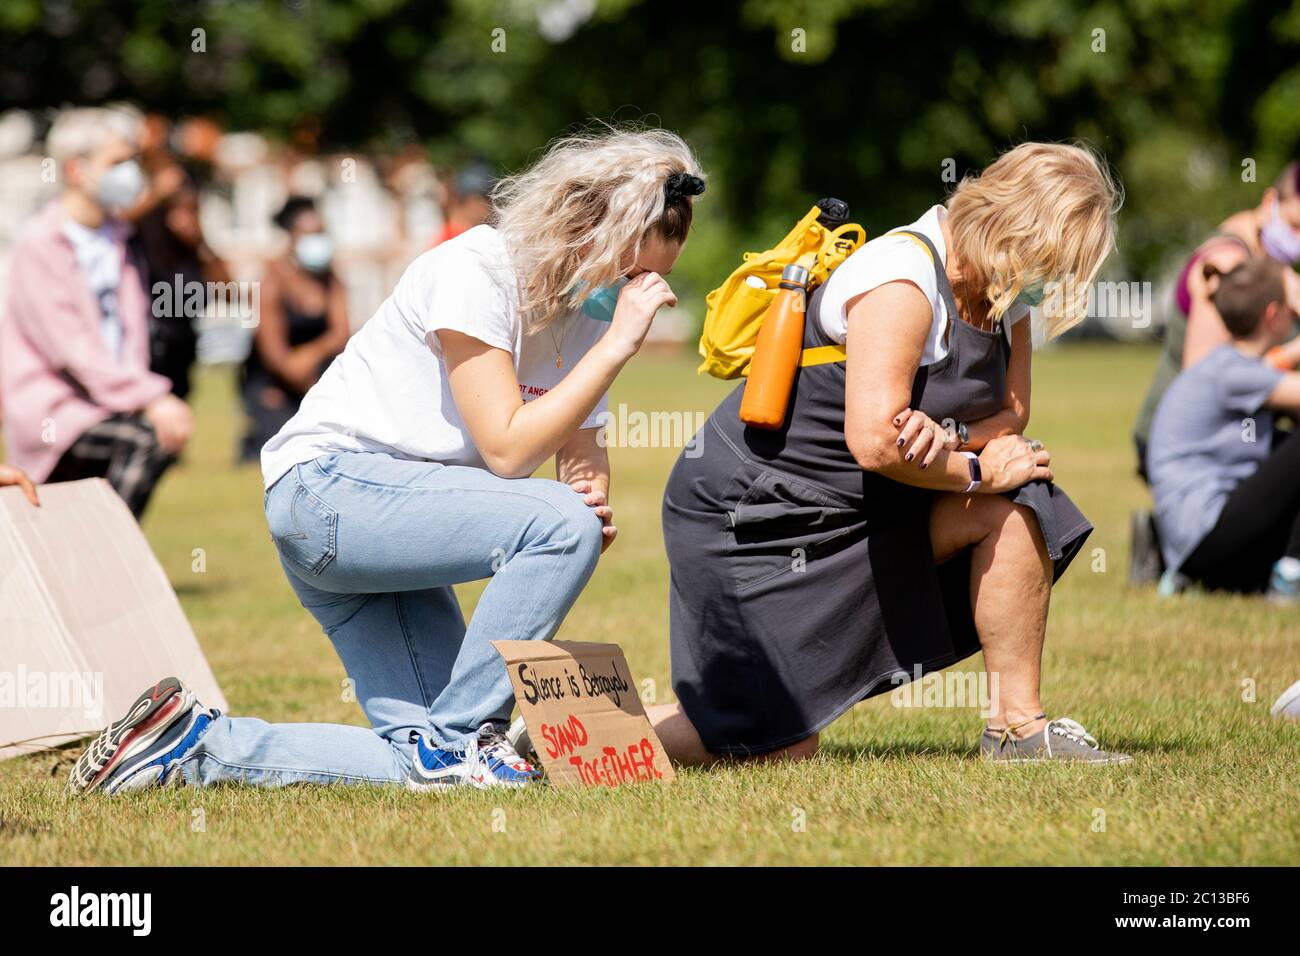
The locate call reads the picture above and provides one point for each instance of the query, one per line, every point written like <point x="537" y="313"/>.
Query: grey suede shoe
<point x="1061" y="739"/>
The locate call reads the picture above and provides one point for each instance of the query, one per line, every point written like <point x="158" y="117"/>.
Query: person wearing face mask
<point x="303" y="325"/>
<point x="79" y="398"/>
<point x="409" y="470"/>
<point x="1225" y="483"/>
<point x="1195" y="327"/>
<point x="899" y="521"/>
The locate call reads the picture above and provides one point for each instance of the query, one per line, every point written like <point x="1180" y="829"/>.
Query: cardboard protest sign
<point x="88" y="619"/>
<point x="583" y="713"/>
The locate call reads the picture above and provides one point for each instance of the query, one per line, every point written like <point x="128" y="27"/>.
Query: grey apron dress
<point x="801" y="584"/>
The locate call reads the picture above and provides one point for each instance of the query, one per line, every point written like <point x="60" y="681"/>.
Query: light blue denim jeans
<point x="372" y="545"/>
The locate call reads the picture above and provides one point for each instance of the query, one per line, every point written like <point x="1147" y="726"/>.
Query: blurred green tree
<point x="785" y="100"/>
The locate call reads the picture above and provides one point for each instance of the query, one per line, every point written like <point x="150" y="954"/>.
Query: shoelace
<point x="473" y="759"/>
<point x="1009" y="732"/>
<point x="496" y="747"/>
<point x="1073" y="730"/>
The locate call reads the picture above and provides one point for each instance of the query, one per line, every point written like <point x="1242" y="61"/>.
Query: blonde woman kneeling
<point x="900" y="521"/>
<point x="406" y="471"/>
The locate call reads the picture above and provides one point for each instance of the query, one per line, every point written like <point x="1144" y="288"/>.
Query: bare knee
<point x="1017" y="522"/>
<point x="959" y="521"/>
<point x="802" y="750"/>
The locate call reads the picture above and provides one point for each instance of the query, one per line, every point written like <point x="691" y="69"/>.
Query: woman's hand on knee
<point x="1009" y="461"/>
<point x="597" y="499"/>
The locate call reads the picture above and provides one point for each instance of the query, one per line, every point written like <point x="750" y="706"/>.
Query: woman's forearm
<point x="537" y="430"/>
<point x="582" y="458"/>
<point x="1008" y="421"/>
<point x="950" y="471"/>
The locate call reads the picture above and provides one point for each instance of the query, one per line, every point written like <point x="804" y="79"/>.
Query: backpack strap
<point x="828" y="354"/>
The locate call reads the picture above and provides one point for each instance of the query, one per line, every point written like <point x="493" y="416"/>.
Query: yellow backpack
<point x="736" y="308"/>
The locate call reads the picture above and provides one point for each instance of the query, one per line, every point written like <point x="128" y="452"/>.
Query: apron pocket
<point x="782" y="524"/>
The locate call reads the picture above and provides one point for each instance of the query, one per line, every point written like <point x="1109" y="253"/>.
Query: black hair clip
<point x="680" y="185"/>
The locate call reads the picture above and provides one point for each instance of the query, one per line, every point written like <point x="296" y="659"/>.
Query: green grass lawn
<point x="1214" y="782"/>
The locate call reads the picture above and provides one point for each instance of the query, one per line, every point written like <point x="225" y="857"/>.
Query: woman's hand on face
<point x="595" y="498"/>
<point x="922" y="437"/>
<point x="1009" y="461"/>
<point x="638" y="301"/>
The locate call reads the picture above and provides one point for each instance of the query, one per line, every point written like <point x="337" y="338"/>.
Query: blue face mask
<point x="600" y="304"/>
<point x="1032" y="296"/>
<point x="314" y="251"/>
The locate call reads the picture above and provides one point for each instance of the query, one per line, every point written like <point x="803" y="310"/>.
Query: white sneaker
<point x="1288" y="705"/>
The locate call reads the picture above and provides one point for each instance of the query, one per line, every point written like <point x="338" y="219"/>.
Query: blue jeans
<point x="372" y="545"/>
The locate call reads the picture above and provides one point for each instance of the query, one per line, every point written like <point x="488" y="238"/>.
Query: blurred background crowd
<point x="302" y="152"/>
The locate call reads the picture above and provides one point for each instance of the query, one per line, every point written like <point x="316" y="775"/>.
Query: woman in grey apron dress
<point x="804" y="580"/>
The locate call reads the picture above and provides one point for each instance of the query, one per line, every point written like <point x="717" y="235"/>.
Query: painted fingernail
<point x="908" y="456"/>
<point x="897" y="420"/>
<point x="925" y="465"/>
<point x="900" y="443"/>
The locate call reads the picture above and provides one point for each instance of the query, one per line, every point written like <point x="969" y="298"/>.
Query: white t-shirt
<point x="100" y="260"/>
<point x="388" y="391"/>
<point x="890" y="259"/>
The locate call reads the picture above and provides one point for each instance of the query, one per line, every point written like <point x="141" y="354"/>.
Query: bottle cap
<point x="795" y="273"/>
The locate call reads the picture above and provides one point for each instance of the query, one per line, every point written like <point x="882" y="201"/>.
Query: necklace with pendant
<point x="559" y="346"/>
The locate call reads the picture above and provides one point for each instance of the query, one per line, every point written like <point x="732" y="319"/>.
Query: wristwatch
<point x="963" y="435"/>
<point x="976" y="476"/>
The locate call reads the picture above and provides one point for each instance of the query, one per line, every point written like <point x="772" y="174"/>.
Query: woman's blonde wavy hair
<point x="1042" y="212"/>
<point x="574" y="219"/>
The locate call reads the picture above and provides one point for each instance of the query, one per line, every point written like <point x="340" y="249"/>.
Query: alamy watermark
<point x="1132" y="301"/>
<point x="24" y="689"/>
<point x="628" y="428"/>
<point x="946" y="689"/>
<point x="221" y="300"/>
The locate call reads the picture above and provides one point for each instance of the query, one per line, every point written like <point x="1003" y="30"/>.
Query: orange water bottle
<point x="776" y="353"/>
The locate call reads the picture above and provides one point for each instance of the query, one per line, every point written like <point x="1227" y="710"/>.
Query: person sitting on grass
<point x="406" y="472"/>
<point x="1271" y="228"/>
<point x="1226" y="483"/>
<point x="79" y="400"/>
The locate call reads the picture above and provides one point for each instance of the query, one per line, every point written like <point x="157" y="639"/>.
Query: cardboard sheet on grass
<point x="584" y="714"/>
<point x="88" y="619"/>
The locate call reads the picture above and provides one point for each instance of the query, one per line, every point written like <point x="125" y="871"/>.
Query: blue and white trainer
<point x="139" y="750"/>
<point x="1284" y="581"/>
<point x="488" y="760"/>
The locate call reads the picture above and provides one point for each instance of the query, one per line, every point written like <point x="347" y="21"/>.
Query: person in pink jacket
<point x="78" y="397"/>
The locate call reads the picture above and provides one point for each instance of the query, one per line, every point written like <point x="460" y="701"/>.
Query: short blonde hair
<point x="77" y="133"/>
<point x="573" y="218"/>
<point x="1042" y="212"/>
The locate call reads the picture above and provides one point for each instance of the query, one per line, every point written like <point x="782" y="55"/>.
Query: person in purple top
<point x="1195" y="328"/>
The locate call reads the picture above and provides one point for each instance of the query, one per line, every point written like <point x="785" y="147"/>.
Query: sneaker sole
<point x="1101" y="761"/>
<point x="441" y="783"/>
<point x="149" y="714"/>
<point x="136" y="749"/>
<point x="450" y="783"/>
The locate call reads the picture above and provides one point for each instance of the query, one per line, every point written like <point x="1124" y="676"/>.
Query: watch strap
<point x="976" y="474"/>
